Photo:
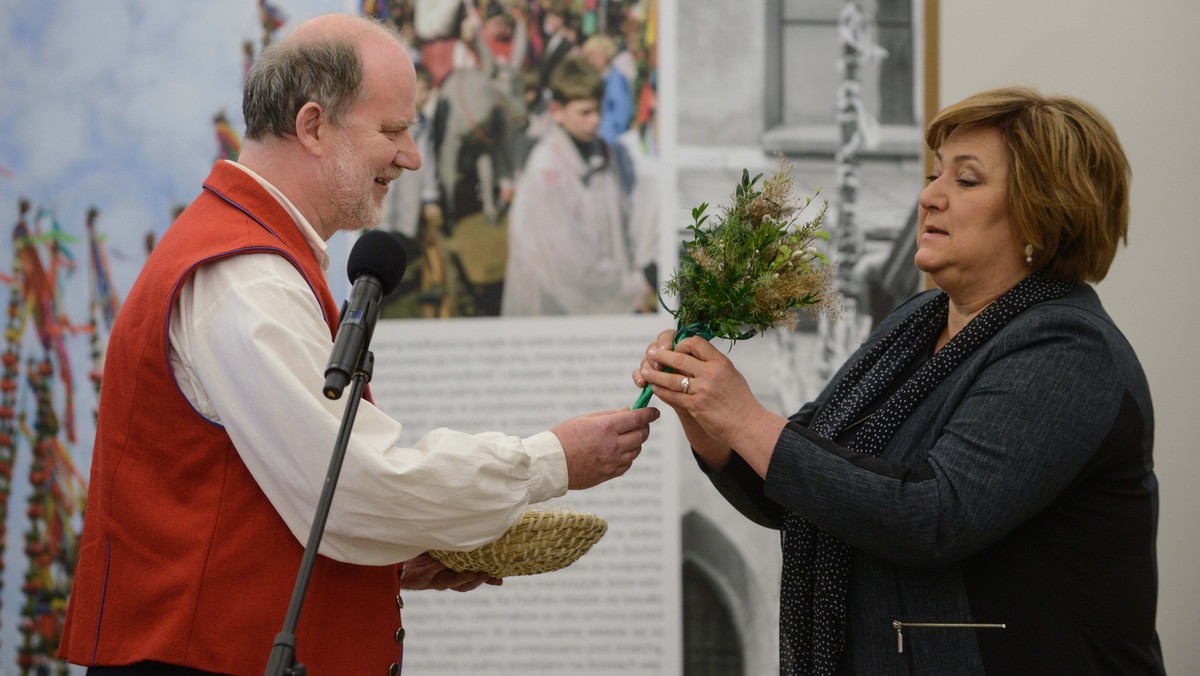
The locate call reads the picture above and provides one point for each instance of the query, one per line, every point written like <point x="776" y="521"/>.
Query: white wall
<point x="1139" y="62"/>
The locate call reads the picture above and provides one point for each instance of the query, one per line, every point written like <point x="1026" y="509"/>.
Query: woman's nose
<point x="932" y="196"/>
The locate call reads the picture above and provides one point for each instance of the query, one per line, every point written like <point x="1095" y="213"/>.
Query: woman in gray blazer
<point x="973" y="491"/>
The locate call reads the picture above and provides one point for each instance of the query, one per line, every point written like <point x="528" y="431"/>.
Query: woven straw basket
<point x="539" y="542"/>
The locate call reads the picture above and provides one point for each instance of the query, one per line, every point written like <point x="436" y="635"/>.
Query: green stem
<point x="643" y="398"/>
<point x="682" y="332"/>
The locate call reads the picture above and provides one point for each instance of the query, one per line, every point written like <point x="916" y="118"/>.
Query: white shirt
<point x="249" y="345"/>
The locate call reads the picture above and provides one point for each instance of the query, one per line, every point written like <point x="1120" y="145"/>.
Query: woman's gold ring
<point x="684" y="384"/>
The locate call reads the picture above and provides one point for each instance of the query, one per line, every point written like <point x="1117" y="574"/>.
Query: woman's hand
<point x="717" y="395"/>
<point x="712" y="451"/>
<point x="718" y="411"/>
<point x="650" y="364"/>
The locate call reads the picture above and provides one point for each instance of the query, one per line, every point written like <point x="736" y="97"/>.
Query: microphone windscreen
<point x="381" y="255"/>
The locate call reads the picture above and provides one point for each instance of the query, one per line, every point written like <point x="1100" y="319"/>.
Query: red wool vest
<point x="183" y="558"/>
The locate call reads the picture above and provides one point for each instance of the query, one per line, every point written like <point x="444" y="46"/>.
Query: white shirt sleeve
<point x="249" y="347"/>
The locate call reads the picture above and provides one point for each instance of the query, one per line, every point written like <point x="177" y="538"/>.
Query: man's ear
<point x="556" y="110"/>
<point x="311" y="126"/>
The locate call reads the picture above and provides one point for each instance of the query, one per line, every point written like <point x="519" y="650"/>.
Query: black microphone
<point x="376" y="266"/>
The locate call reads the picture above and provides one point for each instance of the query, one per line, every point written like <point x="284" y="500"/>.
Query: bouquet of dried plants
<point x="752" y="267"/>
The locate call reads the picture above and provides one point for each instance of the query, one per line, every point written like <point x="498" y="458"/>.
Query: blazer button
<point x="400" y="635"/>
<point x="399" y="602"/>
<point x="394" y="670"/>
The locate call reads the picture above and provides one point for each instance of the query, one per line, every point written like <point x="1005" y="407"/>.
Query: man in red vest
<point x="213" y="437"/>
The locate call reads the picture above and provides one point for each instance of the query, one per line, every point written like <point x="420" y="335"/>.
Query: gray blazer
<point x="1021" y="492"/>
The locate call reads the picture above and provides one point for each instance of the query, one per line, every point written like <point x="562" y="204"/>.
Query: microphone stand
<point x="283" y="652"/>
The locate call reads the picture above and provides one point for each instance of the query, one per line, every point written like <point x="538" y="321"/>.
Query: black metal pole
<point x="283" y="652"/>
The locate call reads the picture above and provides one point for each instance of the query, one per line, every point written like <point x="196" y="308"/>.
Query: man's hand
<point x="426" y="572"/>
<point x="603" y="445"/>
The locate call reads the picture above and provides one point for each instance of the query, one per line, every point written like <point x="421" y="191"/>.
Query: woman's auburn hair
<point x="1068" y="187"/>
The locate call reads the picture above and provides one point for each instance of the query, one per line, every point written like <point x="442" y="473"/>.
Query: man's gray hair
<point x="291" y="73"/>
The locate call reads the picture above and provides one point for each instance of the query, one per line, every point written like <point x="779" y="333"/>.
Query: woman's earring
<point x="1028" y="254"/>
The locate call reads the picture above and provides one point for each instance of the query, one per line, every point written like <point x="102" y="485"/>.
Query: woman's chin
<point x="926" y="262"/>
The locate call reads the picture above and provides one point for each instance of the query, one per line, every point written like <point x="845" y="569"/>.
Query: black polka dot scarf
<point x="816" y="565"/>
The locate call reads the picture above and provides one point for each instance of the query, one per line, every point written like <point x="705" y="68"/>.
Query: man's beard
<point x="353" y="208"/>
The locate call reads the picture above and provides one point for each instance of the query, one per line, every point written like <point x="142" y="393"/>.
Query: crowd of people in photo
<point x="496" y="78"/>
